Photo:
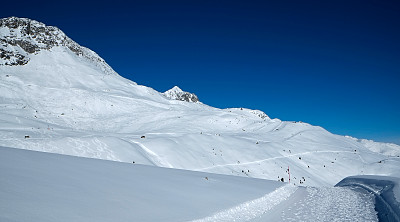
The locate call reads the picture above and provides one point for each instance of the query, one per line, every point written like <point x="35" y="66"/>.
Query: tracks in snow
<point x="331" y="204"/>
<point x="152" y="156"/>
<point x="272" y="158"/>
<point x="290" y="203"/>
<point x="252" y="209"/>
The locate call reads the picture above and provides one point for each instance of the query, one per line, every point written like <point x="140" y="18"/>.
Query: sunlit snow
<point x="72" y="103"/>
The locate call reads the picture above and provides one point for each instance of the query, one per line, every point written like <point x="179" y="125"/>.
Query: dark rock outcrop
<point x="21" y="37"/>
<point x="177" y="94"/>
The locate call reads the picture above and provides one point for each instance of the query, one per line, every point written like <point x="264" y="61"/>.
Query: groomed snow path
<point x="324" y="204"/>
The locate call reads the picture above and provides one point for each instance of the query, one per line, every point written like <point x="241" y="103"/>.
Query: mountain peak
<point x="178" y="94"/>
<point x="176" y="89"/>
<point x="15" y="22"/>
<point x="29" y="35"/>
<point x="21" y="38"/>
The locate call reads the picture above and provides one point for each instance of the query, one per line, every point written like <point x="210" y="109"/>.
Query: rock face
<point x="22" y="37"/>
<point x="177" y="94"/>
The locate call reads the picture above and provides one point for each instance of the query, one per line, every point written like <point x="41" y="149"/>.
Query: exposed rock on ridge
<point x="22" y="37"/>
<point x="177" y="94"/>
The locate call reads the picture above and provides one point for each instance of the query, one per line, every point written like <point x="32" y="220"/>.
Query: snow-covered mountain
<point x="178" y="94"/>
<point x="59" y="97"/>
<point x="21" y="37"/>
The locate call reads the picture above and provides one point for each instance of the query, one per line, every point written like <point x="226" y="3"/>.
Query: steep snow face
<point x="177" y="94"/>
<point x="63" y="102"/>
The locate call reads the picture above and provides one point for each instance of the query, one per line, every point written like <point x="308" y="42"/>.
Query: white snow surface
<point x="61" y="102"/>
<point x="254" y="208"/>
<point x="389" y="149"/>
<point x="38" y="186"/>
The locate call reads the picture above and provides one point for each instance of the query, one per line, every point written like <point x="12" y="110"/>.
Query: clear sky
<point x="335" y="64"/>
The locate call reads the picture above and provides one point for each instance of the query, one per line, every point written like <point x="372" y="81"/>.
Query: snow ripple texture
<point x="332" y="204"/>
<point x="252" y="209"/>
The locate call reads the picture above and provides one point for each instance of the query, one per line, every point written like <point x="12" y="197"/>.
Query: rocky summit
<point x="177" y="94"/>
<point x="22" y="37"/>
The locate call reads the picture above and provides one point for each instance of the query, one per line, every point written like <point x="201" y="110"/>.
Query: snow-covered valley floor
<point x="38" y="186"/>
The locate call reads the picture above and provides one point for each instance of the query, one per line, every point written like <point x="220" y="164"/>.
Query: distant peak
<point x="175" y="89"/>
<point x="177" y="93"/>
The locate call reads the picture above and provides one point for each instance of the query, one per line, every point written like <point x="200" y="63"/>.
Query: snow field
<point x="90" y="114"/>
<point x="46" y="187"/>
<point x="38" y="186"/>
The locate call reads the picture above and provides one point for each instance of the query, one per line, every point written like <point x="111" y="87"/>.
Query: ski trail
<point x="152" y="156"/>
<point x="331" y="204"/>
<point x="253" y="208"/>
<point x="267" y="159"/>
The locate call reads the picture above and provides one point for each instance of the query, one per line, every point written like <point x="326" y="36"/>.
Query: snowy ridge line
<point x="253" y="208"/>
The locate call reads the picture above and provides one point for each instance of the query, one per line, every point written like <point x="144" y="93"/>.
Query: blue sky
<point x="335" y="64"/>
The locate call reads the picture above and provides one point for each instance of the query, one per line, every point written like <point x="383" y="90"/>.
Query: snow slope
<point x="37" y="186"/>
<point x="65" y="102"/>
<point x="43" y="187"/>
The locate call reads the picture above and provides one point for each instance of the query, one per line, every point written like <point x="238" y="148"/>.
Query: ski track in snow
<point x="272" y="158"/>
<point x="252" y="209"/>
<point x="153" y="157"/>
<point x="332" y="204"/>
